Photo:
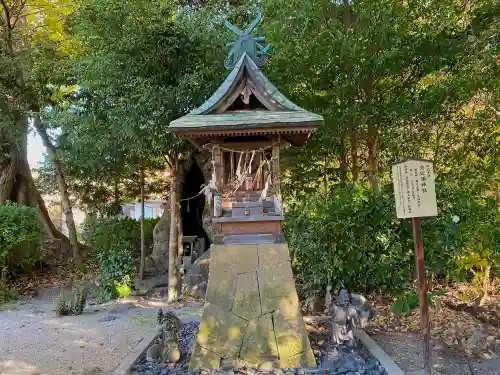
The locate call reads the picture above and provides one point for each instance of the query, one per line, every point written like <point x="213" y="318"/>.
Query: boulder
<point x="157" y="262"/>
<point x="314" y="305"/>
<point x="196" y="279"/>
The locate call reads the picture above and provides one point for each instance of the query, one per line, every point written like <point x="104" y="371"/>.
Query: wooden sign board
<point x="414" y="188"/>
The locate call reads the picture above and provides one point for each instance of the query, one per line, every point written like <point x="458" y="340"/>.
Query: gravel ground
<point x="34" y="341"/>
<point x="331" y="360"/>
<point x="405" y="350"/>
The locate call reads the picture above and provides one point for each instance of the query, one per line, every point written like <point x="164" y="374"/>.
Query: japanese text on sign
<point x="414" y="188"/>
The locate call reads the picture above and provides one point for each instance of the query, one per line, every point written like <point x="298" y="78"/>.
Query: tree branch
<point x="7" y="13"/>
<point x="18" y="15"/>
<point x="168" y="162"/>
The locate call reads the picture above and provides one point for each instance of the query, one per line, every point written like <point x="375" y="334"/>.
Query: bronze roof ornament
<point x="246" y="43"/>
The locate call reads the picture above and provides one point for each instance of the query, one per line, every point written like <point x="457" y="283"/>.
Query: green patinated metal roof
<point x="282" y="111"/>
<point x="249" y="120"/>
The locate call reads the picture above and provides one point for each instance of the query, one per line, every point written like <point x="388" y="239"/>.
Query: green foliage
<point x="20" y="238"/>
<point x="7" y="293"/>
<point x="409" y="300"/>
<point x="115" y="120"/>
<point x="77" y="303"/>
<point x="350" y="235"/>
<point x="123" y="288"/>
<point x="114" y="241"/>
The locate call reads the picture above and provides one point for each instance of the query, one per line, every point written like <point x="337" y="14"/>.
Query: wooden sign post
<point x="415" y="194"/>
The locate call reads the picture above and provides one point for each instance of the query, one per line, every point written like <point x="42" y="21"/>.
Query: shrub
<point x="350" y="235"/>
<point x="114" y="241"/>
<point x="408" y="301"/>
<point x="20" y="238"/>
<point x="7" y="293"/>
<point x="77" y="303"/>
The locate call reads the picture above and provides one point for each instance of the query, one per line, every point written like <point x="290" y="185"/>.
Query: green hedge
<point x="351" y="235"/>
<point x="20" y="239"/>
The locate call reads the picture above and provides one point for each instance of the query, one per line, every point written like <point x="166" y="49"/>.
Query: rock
<point x="350" y="363"/>
<point x="153" y="353"/>
<point x="157" y="262"/>
<point x="477" y="342"/>
<point x="107" y="318"/>
<point x="164" y="371"/>
<point x="92" y="371"/>
<point x="485" y="356"/>
<point x="119" y="307"/>
<point x="314" y="305"/>
<point x="161" y="291"/>
<point x="372" y="364"/>
<point x="196" y="279"/>
<point x="172" y="355"/>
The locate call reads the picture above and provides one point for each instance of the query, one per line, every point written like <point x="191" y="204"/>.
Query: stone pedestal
<point x="252" y="315"/>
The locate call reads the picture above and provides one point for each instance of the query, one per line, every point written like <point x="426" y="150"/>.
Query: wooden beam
<point x="276" y="174"/>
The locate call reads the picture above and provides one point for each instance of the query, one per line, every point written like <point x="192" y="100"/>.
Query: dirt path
<point x="34" y="341"/>
<point x="405" y="350"/>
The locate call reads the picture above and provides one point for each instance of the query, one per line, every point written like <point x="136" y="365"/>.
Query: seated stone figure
<point x="166" y="347"/>
<point x="348" y="311"/>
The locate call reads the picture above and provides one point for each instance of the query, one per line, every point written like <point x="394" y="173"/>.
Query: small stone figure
<point x="348" y="311"/>
<point x="167" y="346"/>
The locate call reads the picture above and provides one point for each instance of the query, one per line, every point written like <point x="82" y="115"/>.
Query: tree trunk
<point x="325" y="174"/>
<point x="483" y="294"/>
<point x="21" y="183"/>
<point x="204" y="162"/>
<point x="486" y="284"/>
<point x="180" y="255"/>
<point x="173" y="245"/>
<point x="63" y="189"/>
<point x="7" y="176"/>
<point x="354" y="157"/>
<point x="344" y="164"/>
<point x="373" y="156"/>
<point x="21" y="175"/>
<point x="143" y="250"/>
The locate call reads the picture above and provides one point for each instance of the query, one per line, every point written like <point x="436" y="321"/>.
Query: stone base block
<point x="252" y="315"/>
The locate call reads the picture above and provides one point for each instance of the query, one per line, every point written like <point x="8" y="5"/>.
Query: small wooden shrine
<point x="251" y="316"/>
<point x="245" y="124"/>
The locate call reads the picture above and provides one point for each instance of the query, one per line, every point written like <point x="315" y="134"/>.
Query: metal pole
<point x="422" y="286"/>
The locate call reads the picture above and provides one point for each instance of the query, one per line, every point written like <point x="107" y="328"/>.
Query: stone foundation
<point x="252" y="315"/>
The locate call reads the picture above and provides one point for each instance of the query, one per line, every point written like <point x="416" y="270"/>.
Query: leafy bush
<point x="20" y="238"/>
<point x="7" y="293"/>
<point x="123" y="289"/>
<point x="408" y="301"/>
<point x="77" y="303"/>
<point x="114" y="241"/>
<point x="350" y="235"/>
